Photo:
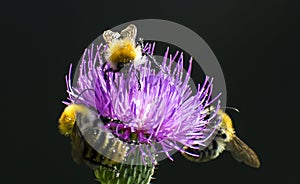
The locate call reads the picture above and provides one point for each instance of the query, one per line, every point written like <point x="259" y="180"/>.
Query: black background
<point x="256" y="43"/>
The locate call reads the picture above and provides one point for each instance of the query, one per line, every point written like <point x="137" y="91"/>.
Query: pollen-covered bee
<point x="225" y="139"/>
<point x="91" y="144"/>
<point x="122" y="48"/>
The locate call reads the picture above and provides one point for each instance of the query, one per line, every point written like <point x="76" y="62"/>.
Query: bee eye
<point x="224" y="136"/>
<point x="120" y="66"/>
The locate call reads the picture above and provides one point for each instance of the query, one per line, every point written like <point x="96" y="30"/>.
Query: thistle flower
<point x="127" y="173"/>
<point x="153" y="111"/>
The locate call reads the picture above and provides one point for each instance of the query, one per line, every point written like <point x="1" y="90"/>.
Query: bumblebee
<point x="91" y="144"/>
<point x="100" y="150"/>
<point x="225" y="139"/>
<point x="122" y="48"/>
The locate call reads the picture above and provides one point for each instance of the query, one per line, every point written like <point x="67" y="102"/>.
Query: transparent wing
<point x="129" y="32"/>
<point x="242" y="152"/>
<point x="85" y="117"/>
<point x="110" y="36"/>
<point x="77" y="145"/>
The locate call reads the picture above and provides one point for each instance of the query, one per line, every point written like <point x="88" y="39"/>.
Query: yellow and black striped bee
<point x="225" y="139"/>
<point x="99" y="149"/>
<point x="122" y="48"/>
<point x="91" y="144"/>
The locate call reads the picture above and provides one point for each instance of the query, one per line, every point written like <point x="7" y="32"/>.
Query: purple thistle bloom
<point x="156" y="108"/>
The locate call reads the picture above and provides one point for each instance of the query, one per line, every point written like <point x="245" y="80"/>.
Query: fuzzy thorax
<point x="226" y="125"/>
<point x="122" y="51"/>
<point x="68" y="118"/>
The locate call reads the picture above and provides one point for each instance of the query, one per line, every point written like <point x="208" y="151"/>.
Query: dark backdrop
<point x="256" y="43"/>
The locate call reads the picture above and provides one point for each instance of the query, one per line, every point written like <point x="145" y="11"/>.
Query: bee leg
<point x="155" y="62"/>
<point x="103" y="66"/>
<point x="106" y="71"/>
<point x="114" y="76"/>
<point x="139" y="83"/>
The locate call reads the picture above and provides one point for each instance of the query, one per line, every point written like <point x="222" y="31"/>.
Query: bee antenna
<point x="232" y="108"/>
<point x="82" y="93"/>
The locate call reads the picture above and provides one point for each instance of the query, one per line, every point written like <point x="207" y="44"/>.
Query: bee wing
<point x="110" y="36"/>
<point x="129" y="32"/>
<point x="242" y="152"/>
<point x="84" y="118"/>
<point x="77" y="145"/>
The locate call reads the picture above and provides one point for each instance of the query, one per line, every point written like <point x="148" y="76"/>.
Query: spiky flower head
<point x="154" y="111"/>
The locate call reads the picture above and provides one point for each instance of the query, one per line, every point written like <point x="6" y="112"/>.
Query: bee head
<point x="119" y="66"/>
<point x="68" y="117"/>
<point x="67" y="120"/>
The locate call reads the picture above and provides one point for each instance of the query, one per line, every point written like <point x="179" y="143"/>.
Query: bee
<point x="225" y="139"/>
<point x="122" y="48"/>
<point x="91" y="143"/>
<point x="99" y="149"/>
